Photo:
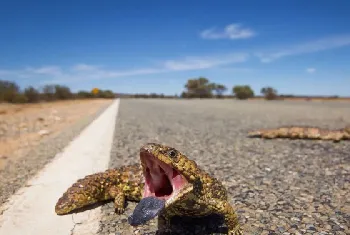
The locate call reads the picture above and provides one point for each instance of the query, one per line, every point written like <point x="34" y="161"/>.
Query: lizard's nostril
<point x="147" y="147"/>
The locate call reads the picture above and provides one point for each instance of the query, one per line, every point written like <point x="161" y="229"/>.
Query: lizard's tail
<point x="84" y="192"/>
<point x="302" y="132"/>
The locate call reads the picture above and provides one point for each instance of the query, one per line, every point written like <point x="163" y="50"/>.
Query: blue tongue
<point x="146" y="209"/>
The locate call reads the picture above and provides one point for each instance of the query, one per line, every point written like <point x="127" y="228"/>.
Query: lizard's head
<point x="255" y="133"/>
<point x="168" y="173"/>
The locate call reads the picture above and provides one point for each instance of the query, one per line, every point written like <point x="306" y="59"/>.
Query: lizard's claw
<point x="235" y="232"/>
<point x="119" y="210"/>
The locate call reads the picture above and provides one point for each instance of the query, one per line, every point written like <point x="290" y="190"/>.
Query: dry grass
<point x="20" y="123"/>
<point x="7" y="108"/>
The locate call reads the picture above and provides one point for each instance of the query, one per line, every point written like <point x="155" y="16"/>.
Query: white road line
<point x="31" y="209"/>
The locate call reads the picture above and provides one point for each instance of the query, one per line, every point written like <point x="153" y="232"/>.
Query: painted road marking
<point x="31" y="209"/>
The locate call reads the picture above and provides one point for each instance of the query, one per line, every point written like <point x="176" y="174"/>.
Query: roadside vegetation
<point x="200" y="87"/>
<point x="10" y="92"/>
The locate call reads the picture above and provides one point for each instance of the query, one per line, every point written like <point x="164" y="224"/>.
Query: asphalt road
<point x="277" y="186"/>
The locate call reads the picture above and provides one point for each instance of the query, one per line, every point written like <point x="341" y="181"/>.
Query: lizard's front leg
<point x="224" y="208"/>
<point x="119" y="199"/>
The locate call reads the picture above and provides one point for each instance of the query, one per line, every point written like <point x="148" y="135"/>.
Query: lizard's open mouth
<point x="161" y="180"/>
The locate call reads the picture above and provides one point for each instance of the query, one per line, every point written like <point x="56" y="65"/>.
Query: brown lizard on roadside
<point x="302" y="132"/>
<point x="165" y="173"/>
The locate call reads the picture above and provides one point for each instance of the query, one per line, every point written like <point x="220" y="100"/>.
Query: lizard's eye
<point x="172" y="153"/>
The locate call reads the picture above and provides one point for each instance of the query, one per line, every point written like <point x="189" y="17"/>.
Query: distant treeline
<point x="202" y="88"/>
<point x="194" y="88"/>
<point x="10" y="92"/>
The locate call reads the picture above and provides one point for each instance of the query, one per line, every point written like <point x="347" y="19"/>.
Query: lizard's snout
<point x="149" y="147"/>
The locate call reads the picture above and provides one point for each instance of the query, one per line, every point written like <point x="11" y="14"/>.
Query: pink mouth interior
<point x="161" y="180"/>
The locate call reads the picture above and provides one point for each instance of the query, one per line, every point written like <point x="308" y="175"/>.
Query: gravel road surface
<point x="277" y="186"/>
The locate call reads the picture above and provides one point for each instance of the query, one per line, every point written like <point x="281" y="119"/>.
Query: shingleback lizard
<point x="164" y="173"/>
<point x="303" y="132"/>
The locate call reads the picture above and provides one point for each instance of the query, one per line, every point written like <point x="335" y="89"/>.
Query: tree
<point x="184" y="95"/>
<point x="269" y="93"/>
<point x="200" y="88"/>
<point x="32" y="94"/>
<point x="243" y="92"/>
<point x="219" y="89"/>
<point x="8" y="91"/>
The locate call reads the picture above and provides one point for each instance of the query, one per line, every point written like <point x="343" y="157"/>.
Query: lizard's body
<point x="120" y="184"/>
<point x="194" y="192"/>
<point x="302" y="132"/>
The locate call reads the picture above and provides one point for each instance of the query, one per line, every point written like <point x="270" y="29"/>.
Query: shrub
<point x="269" y="93"/>
<point x="8" y="91"/>
<point x="48" y="92"/>
<point x="19" y="99"/>
<point x="32" y="94"/>
<point x="62" y="92"/>
<point x="84" y="94"/>
<point x="107" y="94"/>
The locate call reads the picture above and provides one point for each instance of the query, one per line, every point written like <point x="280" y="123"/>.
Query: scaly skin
<point x="303" y="132"/>
<point x="202" y="195"/>
<point x="124" y="183"/>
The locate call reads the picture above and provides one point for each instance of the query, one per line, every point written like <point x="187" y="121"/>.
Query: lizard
<point x="302" y="132"/>
<point x="163" y="172"/>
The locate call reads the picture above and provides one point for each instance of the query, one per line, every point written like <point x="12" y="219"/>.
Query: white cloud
<point x="309" y="47"/>
<point x="84" y="72"/>
<point x="310" y="70"/>
<point x="232" y="31"/>
<point x="84" y="67"/>
<point x="125" y="73"/>
<point x="193" y="63"/>
<point x="46" y="70"/>
<point x="28" y="72"/>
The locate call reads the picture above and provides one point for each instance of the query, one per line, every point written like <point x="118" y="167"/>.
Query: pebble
<point x="3" y="157"/>
<point x="43" y="132"/>
<point x="310" y="227"/>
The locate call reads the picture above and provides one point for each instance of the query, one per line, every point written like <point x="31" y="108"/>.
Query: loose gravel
<point x="278" y="186"/>
<point x="16" y="174"/>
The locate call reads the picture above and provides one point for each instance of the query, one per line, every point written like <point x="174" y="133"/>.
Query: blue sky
<point x="298" y="47"/>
